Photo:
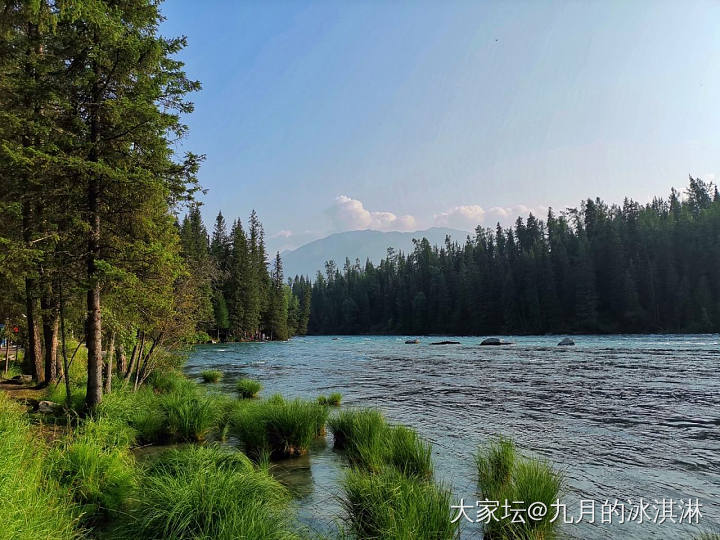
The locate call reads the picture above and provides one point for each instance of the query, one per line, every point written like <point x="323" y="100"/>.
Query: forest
<point x="598" y="268"/>
<point x="93" y="245"/>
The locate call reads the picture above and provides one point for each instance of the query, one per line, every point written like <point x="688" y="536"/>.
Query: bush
<point x="211" y="375"/>
<point x="391" y="505"/>
<point x="33" y="505"/>
<point x="502" y="476"/>
<point x="278" y="427"/>
<point x="201" y="492"/>
<point x="99" y="478"/>
<point x="248" y="388"/>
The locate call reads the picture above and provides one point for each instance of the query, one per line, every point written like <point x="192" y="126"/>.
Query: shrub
<point x="211" y="375"/>
<point x="502" y="476"/>
<point x="248" y="388"/>
<point x="99" y="478"/>
<point x="278" y="427"/>
<point x="334" y="399"/>
<point x="207" y="493"/>
<point x="33" y="505"/>
<point x="391" y="505"/>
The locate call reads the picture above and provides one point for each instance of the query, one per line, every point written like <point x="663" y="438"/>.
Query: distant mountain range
<point x="309" y="258"/>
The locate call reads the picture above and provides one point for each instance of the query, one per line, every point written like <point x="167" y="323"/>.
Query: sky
<point x="399" y="115"/>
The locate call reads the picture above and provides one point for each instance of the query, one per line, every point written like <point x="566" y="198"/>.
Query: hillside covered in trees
<point x="596" y="268"/>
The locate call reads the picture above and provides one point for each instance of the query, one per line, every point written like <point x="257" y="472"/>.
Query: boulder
<point x="49" y="407"/>
<point x="566" y="341"/>
<point x="412" y="341"/>
<point x="491" y="341"/>
<point x="446" y="343"/>
<point x="21" y="379"/>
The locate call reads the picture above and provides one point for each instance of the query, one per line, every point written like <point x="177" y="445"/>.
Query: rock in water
<point x="491" y="341"/>
<point x="566" y="341"/>
<point x="412" y="341"/>
<point x="446" y="343"/>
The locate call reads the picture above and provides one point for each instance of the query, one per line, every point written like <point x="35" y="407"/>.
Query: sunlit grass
<point x="248" y="388"/>
<point x="211" y="375"/>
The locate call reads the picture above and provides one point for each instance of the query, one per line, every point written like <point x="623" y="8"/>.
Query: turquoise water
<point x="623" y="416"/>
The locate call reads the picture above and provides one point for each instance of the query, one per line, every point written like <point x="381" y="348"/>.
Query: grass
<point x="502" y="475"/>
<point x="354" y="430"/>
<point x="248" y="388"/>
<point x="190" y="416"/>
<point x="211" y="375"/>
<point x="99" y="478"/>
<point x="391" y="505"/>
<point x="33" y="504"/>
<point x="408" y="453"/>
<point x="333" y="399"/>
<point x="200" y="492"/>
<point x="278" y="427"/>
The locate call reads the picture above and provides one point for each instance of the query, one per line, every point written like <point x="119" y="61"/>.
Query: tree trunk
<point x="121" y="360"/>
<point x="50" y="335"/>
<point x="34" y="350"/>
<point x="7" y="353"/>
<point x="134" y="355"/>
<point x="93" y="327"/>
<point x="109" y="364"/>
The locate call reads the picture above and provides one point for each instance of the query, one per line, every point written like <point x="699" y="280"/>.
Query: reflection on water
<point x="622" y="416"/>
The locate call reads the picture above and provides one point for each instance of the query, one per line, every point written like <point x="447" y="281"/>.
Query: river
<point x="624" y="417"/>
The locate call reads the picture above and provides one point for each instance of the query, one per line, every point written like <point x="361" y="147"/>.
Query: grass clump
<point x="391" y="505"/>
<point x="200" y="492"/>
<point x="190" y="416"/>
<point x="99" y="478"/>
<point x="371" y="443"/>
<point x="278" y="427"/>
<point x="248" y="388"/>
<point x="211" y="375"/>
<point x="502" y="475"/>
<point x="334" y="399"/>
<point x="33" y="505"/>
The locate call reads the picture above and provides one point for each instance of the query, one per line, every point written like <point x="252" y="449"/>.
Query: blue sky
<point x="330" y="116"/>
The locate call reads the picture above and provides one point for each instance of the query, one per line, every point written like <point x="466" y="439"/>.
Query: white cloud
<point x="351" y="214"/>
<point x="282" y="234"/>
<point x="467" y="217"/>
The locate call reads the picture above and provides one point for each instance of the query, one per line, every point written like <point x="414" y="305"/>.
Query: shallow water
<point x="623" y="416"/>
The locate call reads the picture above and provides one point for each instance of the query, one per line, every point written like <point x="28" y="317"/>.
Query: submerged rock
<point x="446" y="343"/>
<point x="491" y="341"/>
<point x="566" y="341"/>
<point x="412" y="341"/>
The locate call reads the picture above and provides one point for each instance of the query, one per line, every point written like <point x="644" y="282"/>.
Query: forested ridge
<point x="598" y="268"/>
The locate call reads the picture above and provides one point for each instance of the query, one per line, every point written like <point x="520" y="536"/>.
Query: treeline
<point x="91" y="99"/>
<point x="598" y="268"/>
<point x="241" y="298"/>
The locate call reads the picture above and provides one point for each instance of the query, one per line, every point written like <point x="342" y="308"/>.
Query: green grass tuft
<point x="391" y="505"/>
<point x="190" y="416"/>
<point x="211" y="375"/>
<point x="201" y="492"/>
<point x="278" y="427"/>
<point x="248" y="388"/>
<point x="334" y="399"/>
<point x="408" y="453"/>
<point x="33" y="505"/>
<point x="99" y="478"/>
<point x="503" y="476"/>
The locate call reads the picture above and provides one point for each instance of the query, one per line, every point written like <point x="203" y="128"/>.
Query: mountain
<point x="309" y="258"/>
